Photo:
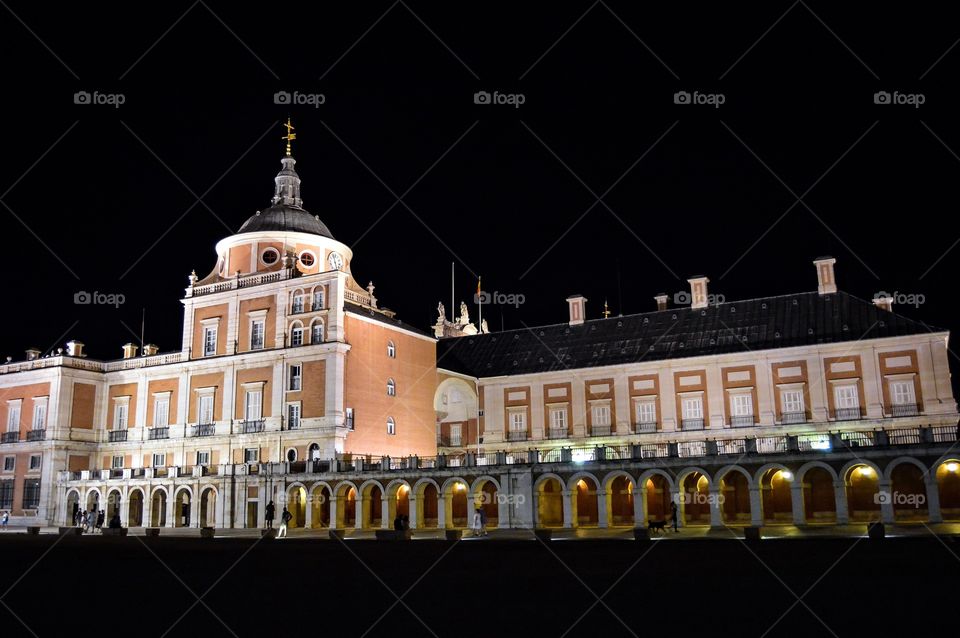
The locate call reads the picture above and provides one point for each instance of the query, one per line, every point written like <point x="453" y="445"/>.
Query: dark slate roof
<point x="282" y="217"/>
<point x="381" y="318"/>
<point x="755" y="324"/>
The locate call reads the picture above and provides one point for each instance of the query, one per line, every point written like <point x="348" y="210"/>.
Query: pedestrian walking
<point x="675" y="515"/>
<point x="270" y="511"/>
<point x="284" y="519"/>
<point x="5" y="519"/>
<point x="476" y="522"/>
<point x="101" y="516"/>
<point x="92" y="519"/>
<point x="483" y="522"/>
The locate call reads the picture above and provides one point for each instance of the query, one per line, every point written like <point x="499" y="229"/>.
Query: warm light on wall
<point x="459" y="487"/>
<point x="952" y="467"/>
<point x="786" y="475"/>
<point x="866" y="472"/>
<point x="404" y="489"/>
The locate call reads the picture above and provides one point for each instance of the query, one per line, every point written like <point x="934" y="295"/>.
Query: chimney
<point x="129" y="351"/>
<point x="698" y="291"/>
<point x="883" y="302"/>
<point x="826" y="283"/>
<point x="150" y="349"/>
<point x="75" y="349"/>
<point x="33" y="354"/>
<point x="578" y="306"/>
<point x="662" y="301"/>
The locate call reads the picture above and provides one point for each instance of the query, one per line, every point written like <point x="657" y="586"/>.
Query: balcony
<point x="10" y="437"/>
<point x="36" y="435"/>
<point x="790" y="418"/>
<point x="743" y="421"/>
<point x="251" y="427"/>
<point x="847" y="414"/>
<point x="906" y="409"/>
<point x="557" y="433"/>
<point x="157" y="433"/>
<point x="203" y="429"/>
<point x="517" y="435"/>
<point x="600" y="430"/>
<point x="646" y="428"/>
<point x="116" y="436"/>
<point x="691" y="424"/>
<point x="293" y="425"/>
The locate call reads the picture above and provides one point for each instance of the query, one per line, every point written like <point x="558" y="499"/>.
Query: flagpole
<point x="453" y="293"/>
<point x="479" y="303"/>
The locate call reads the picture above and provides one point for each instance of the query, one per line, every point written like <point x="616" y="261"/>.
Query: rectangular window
<point x="31" y="494"/>
<point x="317" y="336"/>
<point x="159" y="459"/>
<point x="253" y="405"/>
<point x="646" y="412"/>
<point x="205" y="409"/>
<point x="791" y="401"/>
<point x="13" y="417"/>
<point x="296" y="337"/>
<point x="9" y="463"/>
<point x="348" y="419"/>
<point x="117" y="462"/>
<point x="35" y="460"/>
<point x="692" y="407"/>
<point x="161" y="411"/>
<point x="297" y="303"/>
<point x="256" y="334"/>
<point x="846" y="397"/>
<point x="120" y="412"/>
<point x="203" y="457"/>
<point x="901" y="393"/>
<point x="296" y="377"/>
<point x="251" y="455"/>
<point x="318" y="300"/>
<point x="601" y="414"/>
<point x="455" y="434"/>
<point x="558" y="418"/>
<point x="293" y="416"/>
<point x="391" y="426"/>
<point x="518" y="421"/>
<point x="40" y="415"/>
<point x="741" y="404"/>
<point x="6" y="495"/>
<point x="209" y="341"/>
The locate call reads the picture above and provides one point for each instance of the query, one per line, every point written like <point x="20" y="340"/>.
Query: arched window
<point x="391" y="350"/>
<point x="296" y="336"/>
<point x="297" y="303"/>
<point x="318" y="298"/>
<point x="291" y="455"/>
<point x="391" y="388"/>
<point x="314" y="451"/>
<point x="316" y="333"/>
<point x="391" y="425"/>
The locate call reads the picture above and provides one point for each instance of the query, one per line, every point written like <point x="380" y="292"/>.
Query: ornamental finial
<point x="290" y="136"/>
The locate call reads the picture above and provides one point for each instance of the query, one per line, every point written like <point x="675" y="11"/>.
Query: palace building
<point x="293" y="384"/>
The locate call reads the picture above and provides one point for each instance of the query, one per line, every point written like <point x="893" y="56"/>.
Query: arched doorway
<point x="135" y="513"/>
<point x="297" y="505"/>
<point x="346" y="506"/>
<point x="208" y="508"/>
<point x="427" y="505"/>
<point x="695" y="499"/>
<point x="775" y="496"/>
<point x="485" y="496"/>
<point x="584" y="502"/>
<point x="948" y="487"/>
<point x="620" y="501"/>
<point x="313" y="452"/>
<point x="863" y="502"/>
<point x="658" y="498"/>
<point x="908" y="493"/>
<point x="550" y="503"/>
<point x="372" y="506"/>
<point x="819" y="496"/>
<point x="181" y="512"/>
<point x="158" y="508"/>
<point x="455" y="504"/>
<point x="73" y="504"/>
<point x="113" y="506"/>
<point x="401" y="504"/>
<point x="735" y="494"/>
<point x="321" y="506"/>
<point x="93" y="500"/>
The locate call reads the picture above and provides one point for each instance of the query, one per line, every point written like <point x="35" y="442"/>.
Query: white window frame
<point x="253" y="403"/>
<point x="251" y="455"/>
<point x="645" y="410"/>
<point x="317" y="327"/>
<point x="902" y="392"/>
<point x="116" y="462"/>
<point x="203" y="457"/>
<point x="14" y="409"/>
<point x="391" y="349"/>
<point x="600" y="414"/>
<point x="296" y="336"/>
<point x="35" y="466"/>
<point x="791" y="400"/>
<point x="294" y="417"/>
<point x="39" y="413"/>
<point x="846" y="396"/>
<point x="318" y="294"/>
<point x="391" y="388"/>
<point x="206" y="400"/>
<point x="12" y="461"/>
<point x="258" y="334"/>
<point x="456" y="434"/>
<point x="391" y="426"/>
<point x="689" y="402"/>
<point x="295" y="383"/>
<point x="558" y="418"/>
<point x="210" y="336"/>
<point x="518" y="420"/>
<point x="159" y="459"/>
<point x="121" y="413"/>
<point x="296" y="307"/>
<point x="741" y="404"/>
<point x="161" y="409"/>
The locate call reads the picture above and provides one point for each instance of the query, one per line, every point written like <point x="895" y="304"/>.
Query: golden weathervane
<point x="290" y="136"/>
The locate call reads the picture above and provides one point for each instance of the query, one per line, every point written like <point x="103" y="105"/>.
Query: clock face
<point x="336" y="261"/>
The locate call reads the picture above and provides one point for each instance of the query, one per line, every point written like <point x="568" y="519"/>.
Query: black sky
<point x="709" y="194"/>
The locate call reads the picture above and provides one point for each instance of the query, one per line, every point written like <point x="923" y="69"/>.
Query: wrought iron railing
<point x="691" y="424"/>
<point x="557" y="433"/>
<point x="252" y="426"/>
<point x="600" y="430"/>
<point x="116" y="436"/>
<point x="645" y="428"/>
<point x="158" y="432"/>
<point x="516" y="435"/>
<point x="36" y="435"/>
<point x="847" y="414"/>
<point x="790" y="418"/>
<point x="10" y="437"/>
<point x="909" y="409"/>
<point x="742" y="421"/>
<point x="904" y="436"/>
<point x="203" y="429"/>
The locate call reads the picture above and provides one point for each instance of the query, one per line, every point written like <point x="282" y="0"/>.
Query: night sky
<point x="103" y="198"/>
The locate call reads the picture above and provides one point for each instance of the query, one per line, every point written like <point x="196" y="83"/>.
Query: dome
<point x="284" y="218"/>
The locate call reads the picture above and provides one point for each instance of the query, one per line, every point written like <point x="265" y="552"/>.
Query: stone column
<point x="171" y="506"/>
<point x="334" y="505"/>
<point x="358" y="523"/>
<point x="886" y="501"/>
<point x="933" y="500"/>
<point x="414" y="515"/>
<point x="840" y="497"/>
<point x="602" y="509"/>
<point x="441" y="510"/>
<point x="385" y="521"/>
<point x="716" y="512"/>
<point x="308" y="517"/>
<point x="567" y="509"/>
<point x="640" y="507"/>
<point x="796" y="499"/>
<point x="756" y="506"/>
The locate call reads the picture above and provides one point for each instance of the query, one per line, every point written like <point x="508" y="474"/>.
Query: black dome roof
<point x="282" y="217"/>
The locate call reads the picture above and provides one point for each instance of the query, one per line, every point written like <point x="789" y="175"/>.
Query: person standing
<point x="5" y="519"/>
<point x="92" y="519"/>
<point x="483" y="521"/>
<point x="270" y="511"/>
<point x="284" y="520"/>
<point x="101" y="517"/>
<point x="675" y="515"/>
<point x="476" y="522"/>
